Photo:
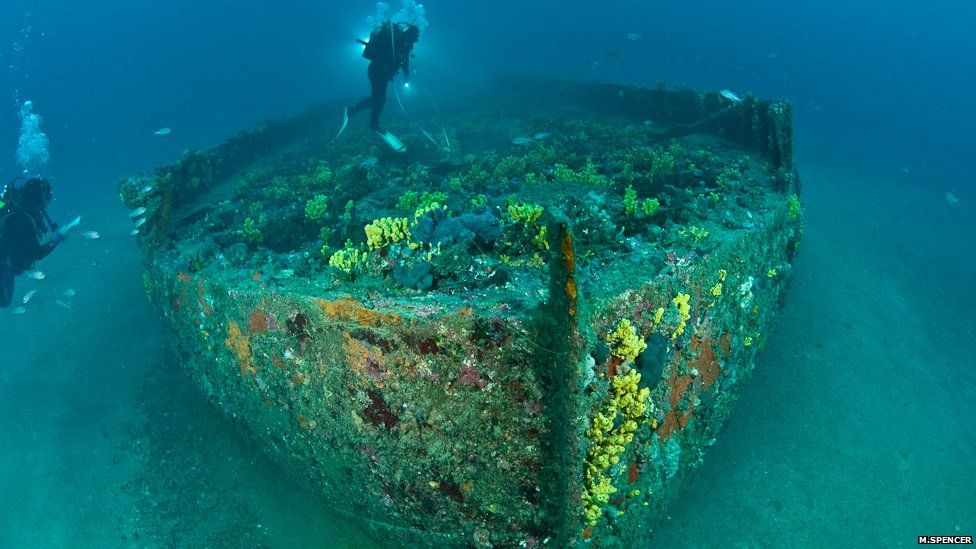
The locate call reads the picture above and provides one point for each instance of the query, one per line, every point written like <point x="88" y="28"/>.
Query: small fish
<point x="36" y="275"/>
<point x="162" y="131"/>
<point x="133" y="232"/>
<point x="951" y="199"/>
<point x="633" y="36"/>
<point x="140" y="222"/>
<point x="369" y="163"/>
<point x="522" y="140"/>
<point x="540" y="136"/>
<point x="28" y="296"/>
<point x="592" y="63"/>
<point x="648" y="122"/>
<point x="69" y="293"/>
<point x="146" y="190"/>
<point x="138" y="211"/>
<point x="62" y="304"/>
<point x="613" y="54"/>
<point x="18" y="311"/>
<point x="731" y="96"/>
<point x="91" y="235"/>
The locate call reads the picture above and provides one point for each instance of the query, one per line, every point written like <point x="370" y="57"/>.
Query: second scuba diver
<point x="23" y="224"/>
<point x="388" y="50"/>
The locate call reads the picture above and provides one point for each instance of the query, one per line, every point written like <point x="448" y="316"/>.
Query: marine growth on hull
<point x="527" y="326"/>
<point x="464" y="211"/>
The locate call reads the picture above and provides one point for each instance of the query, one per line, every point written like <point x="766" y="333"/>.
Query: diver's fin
<point x="65" y="229"/>
<point x="345" y="122"/>
<point x="393" y="142"/>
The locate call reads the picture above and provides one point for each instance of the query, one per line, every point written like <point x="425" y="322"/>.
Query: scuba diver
<point x="23" y="224"/>
<point x="388" y="50"/>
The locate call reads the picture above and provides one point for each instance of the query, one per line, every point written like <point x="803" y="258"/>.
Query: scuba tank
<point x="6" y="197"/>
<point x="7" y="201"/>
<point x="377" y="39"/>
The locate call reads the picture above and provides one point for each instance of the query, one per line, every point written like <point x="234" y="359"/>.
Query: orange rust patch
<point x="725" y="343"/>
<point x="347" y="309"/>
<point x="587" y="533"/>
<point x="632" y="473"/>
<point x="202" y="298"/>
<point x="183" y="277"/>
<point x="257" y="323"/>
<point x="569" y="256"/>
<point x="675" y="420"/>
<point x="298" y="379"/>
<point x="256" y="276"/>
<point x="571" y="293"/>
<point x="305" y="423"/>
<point x="706" y="362"/>
<point x="360" y="356"/>
<point x="276" y="360"/>
<point x="240" y="346"/>
<point x="571" y="290"/>
<point x="466" y="312"/>
<point x="569" y="263"/>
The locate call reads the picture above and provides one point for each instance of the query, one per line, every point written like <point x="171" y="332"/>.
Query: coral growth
<point x="655" y="161"/>
<point x="317" y="208"/>
<point x="624" y="342"/>
<point x="693" y="233"/>
<point x="681" y="304"/>
<point x="386" y="231"/>
<point x="319" y="177"/>
<point x="511" y="167"/>
<point x="630" y="200"/>
<point x="610" y="434"/>
<point x="650" y="206"/>
<point x="793" y="208"/>
<point x="526" y="214"/>
<point x="251" y="232"/>
<point x="587" y="176"/>
<point x="347" y="259"/>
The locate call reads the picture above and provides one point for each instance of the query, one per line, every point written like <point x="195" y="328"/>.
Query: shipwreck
<point x="523" y="331"/>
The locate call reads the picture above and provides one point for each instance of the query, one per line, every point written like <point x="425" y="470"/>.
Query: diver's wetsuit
<point x="387" y="56"/>
<point x="20" y="247"/>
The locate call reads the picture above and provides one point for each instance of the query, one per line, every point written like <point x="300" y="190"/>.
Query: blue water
<point x="858" y="426"/>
